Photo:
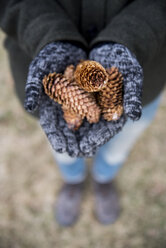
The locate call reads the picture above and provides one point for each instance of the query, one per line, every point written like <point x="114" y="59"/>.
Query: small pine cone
<point x="69" y="72"/>
<point x="73" y="120"/>
<point x="69" y="94"/>
<point x="110" y="98"/>
<point x="91" y="75"/>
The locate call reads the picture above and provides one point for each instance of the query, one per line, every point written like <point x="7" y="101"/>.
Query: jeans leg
<point x="73" y="170"/>
<point x="113" y="154"/>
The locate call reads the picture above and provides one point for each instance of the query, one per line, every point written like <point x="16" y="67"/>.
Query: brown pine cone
<point x="110" y="99"/>
<point x="91" y="75"/>
<point x="71" y="96"/>
<point x="73" y="120"/>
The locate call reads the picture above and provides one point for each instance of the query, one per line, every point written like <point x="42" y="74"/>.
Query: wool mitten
<point x="89" y="137"/>
<point x="113" y="54"/>
<point x="54" y="57"/>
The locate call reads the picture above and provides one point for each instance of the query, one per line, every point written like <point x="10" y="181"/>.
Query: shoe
<point x="106" y="206"/>
<point x="68" y="205"/>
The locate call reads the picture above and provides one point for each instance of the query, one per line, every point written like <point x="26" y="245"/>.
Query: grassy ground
<point x="29" y="182"/>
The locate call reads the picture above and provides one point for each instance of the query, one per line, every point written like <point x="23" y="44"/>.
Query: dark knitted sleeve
<point x="36" y="23"/>
<point x="140" y="26"/>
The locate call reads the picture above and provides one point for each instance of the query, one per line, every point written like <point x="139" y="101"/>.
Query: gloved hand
<point x="54" y="57"/>
<point x="113" y="54"/>
<point x="89" y="137"/>
<point x="109" y="55"/>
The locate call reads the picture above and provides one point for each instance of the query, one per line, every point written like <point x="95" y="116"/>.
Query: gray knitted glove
<point x="89" y="137"/>
<point x="53" y="57"/>
<point x="113" y="54"/>
<point x="108" y="55"/>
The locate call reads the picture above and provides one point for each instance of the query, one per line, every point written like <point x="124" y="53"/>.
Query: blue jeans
<point x="110" y="156"/>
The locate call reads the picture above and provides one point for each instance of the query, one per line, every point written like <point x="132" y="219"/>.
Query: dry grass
<point x="29" y="181"/>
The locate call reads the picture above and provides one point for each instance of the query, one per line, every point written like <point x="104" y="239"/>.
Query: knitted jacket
<point x="140" y="25"/>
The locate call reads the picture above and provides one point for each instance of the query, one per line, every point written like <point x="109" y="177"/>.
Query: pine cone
<point x="73" y="120"/>
<point x="110" y="99"/>
<point x="71" y="96"/>
<point x="91" y="76"/>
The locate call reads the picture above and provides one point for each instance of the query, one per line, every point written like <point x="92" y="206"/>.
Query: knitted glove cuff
<point x="113" y="54"/>
<point x="53" y="57"/>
